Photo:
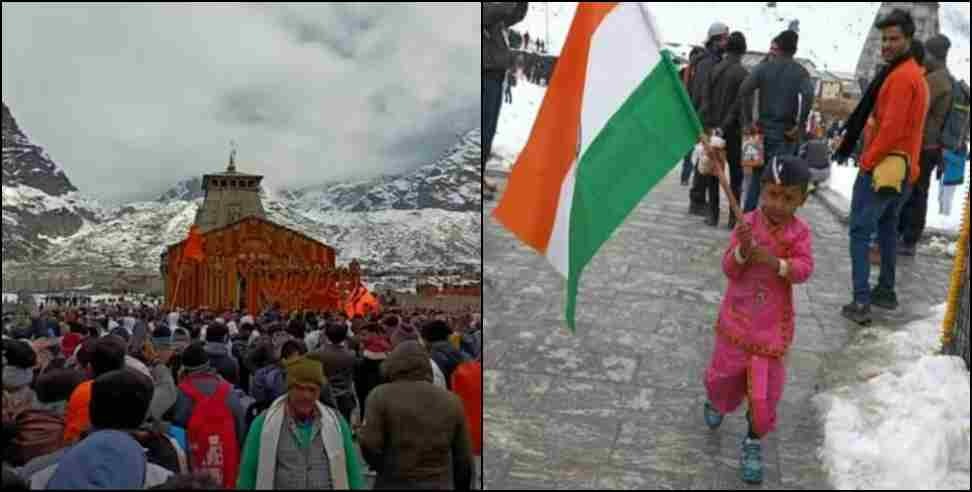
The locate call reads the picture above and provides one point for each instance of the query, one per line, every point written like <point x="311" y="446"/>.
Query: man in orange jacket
<point x="96" y="357"/>
<point x="897" y="101"/>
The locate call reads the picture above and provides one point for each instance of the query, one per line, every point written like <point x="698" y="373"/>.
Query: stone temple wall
<point x="926" y="21"/>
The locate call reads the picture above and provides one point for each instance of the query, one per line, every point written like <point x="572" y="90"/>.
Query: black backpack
<point x="956" y="130"/>
<point x="817" y="154"/>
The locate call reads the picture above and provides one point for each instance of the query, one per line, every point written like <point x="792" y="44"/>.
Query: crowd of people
<point x="903" y="131"/>
<point x="131" y="396"/>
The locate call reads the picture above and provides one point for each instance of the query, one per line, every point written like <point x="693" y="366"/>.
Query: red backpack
<point x="211" y="433"/>
<point x="467" y="383"/>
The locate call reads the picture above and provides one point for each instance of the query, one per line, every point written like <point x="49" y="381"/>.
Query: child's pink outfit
<point x="756" y="321"/>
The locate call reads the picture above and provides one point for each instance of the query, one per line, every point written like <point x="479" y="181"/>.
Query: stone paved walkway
<point x="619" y="404"/>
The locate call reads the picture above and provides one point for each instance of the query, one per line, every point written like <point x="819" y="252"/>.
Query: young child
<point x="768" y="253"/>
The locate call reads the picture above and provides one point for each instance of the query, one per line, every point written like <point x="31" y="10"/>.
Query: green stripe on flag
<point x="637" y="148"/>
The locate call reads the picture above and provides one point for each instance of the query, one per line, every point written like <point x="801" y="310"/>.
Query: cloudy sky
<point x="129" y="99"/>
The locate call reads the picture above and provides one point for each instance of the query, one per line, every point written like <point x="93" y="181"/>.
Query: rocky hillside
<point x="39" y="201"/>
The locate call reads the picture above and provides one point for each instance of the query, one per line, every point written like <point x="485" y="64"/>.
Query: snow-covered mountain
<point x="39" y="201"/>
<point x="187" y="190"/>
<point x="425" y="223"/>
<point x="452" y="183"/>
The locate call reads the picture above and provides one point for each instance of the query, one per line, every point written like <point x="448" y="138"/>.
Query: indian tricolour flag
<point x="614" y="122"/>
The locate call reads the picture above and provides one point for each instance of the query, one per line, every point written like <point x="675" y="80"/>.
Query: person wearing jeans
<point x="774" y="145"/>
<point x="687" y="169"/>
<point x="872" y="212"/>
<point x="497" y="17"/>
<point x="915" y="211"/>
<point x="897" y="104"/>
<point x="492" y="96"/>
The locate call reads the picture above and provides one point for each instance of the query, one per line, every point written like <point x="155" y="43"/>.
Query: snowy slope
<point x="831" y="35"/>
<point x="452" y="183"/>
<point x="38" y="199"/>
<point x="187" y="190"/>
<point x="385" y="242"/>
<point x="425" y="237"/>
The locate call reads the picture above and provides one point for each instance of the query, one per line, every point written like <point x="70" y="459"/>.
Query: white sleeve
<point x="739" y="257"/>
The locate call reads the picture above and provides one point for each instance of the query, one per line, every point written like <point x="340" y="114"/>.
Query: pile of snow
<point x="842" y="180"/>
<point x="905" y="424"/>
<point x="10" y="298"/>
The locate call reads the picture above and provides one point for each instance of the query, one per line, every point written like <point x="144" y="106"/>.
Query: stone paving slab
<point x="618" y="405"/>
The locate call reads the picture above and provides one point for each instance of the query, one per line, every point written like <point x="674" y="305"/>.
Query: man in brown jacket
<point x="939" y="80"/>
<point x="415" y="434"/>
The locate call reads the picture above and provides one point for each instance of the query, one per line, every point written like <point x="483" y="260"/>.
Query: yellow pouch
<point x="890" y="174"/>
<point x="456" y="340"/>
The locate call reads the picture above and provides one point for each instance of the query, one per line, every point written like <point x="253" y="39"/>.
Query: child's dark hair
<point x="788" y="171"/>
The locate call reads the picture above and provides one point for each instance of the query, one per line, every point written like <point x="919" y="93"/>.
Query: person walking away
<point x="40" y="429"/>
<point x="915" y="211"/>
<point x="108" y="458"/>
<point x="956" y="142"/>
<point x="497" y="59"/>
<point x="897" y="102"/>
<point x="785" y="99"/>
<point x="212" y="415"/>
<point x="768" y="254"/>
<point x="723" y="112"/>
<point x="18" y="377"/>
<point x="415" y="434"/>
<point x="218" y="350"/>
<point x="97" y="357"/>
<point x="715" y="47"/>
<point x="338" y="363"/>
<point x="435" y="336"/>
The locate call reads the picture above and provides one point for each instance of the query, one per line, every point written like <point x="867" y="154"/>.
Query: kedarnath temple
<point x="250" y="263"/>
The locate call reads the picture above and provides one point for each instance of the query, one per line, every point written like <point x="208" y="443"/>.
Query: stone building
<point x="249" y="262"/>
<point x="926" y="23"/>
<point x="230" y="196"/>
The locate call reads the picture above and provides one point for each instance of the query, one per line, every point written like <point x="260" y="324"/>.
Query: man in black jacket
<point x="723" y="110"/>
<point x="785" y="100"/>
<point x="497" y="59"/>
<point x="715" y="46"/>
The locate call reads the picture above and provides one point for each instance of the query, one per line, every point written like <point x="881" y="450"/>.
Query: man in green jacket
<point x="299" y="443"/>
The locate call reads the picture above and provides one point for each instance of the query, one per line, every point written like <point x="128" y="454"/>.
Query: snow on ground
<point x="842" y="181"/>
<point x="10" y="298"/>
<point x="905" y="423"/>
<point x="516" y="122"/>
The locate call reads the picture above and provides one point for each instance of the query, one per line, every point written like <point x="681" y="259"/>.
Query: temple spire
<point x="232" y="158"/>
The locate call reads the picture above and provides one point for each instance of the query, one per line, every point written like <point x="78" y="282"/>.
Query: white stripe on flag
<point x="558" y="250"/>
<point x="623" y="52"/>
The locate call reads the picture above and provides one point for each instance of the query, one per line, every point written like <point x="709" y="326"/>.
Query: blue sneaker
<point x="751" y="467"/>
<point x="713" y="418"/>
